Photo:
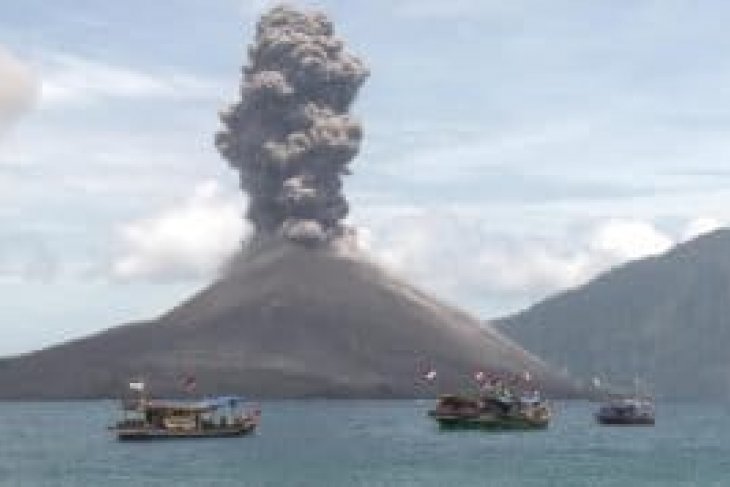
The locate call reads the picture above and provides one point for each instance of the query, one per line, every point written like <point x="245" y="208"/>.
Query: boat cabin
<point x="628" y="411"/>
<point x="222" y="416"/>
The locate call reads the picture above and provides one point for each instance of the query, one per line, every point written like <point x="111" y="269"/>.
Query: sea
<point x="367" y="443"/>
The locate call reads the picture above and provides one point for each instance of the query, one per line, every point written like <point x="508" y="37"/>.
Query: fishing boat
<point x="151" y="419"/>
<point x="491" y="412"/>
<point x="636" y="409"/>
<point x="633" y="411"/>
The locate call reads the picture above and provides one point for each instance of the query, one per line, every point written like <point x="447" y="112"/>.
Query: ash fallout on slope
<point x="290" y="135"/>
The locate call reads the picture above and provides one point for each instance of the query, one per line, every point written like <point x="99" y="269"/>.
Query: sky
<point x="512" y="149"/>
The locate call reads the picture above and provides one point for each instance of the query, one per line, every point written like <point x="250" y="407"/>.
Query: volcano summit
<point x="300" y="312"/>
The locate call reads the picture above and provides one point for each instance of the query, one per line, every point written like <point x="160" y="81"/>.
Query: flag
<point x="189" y="383"/>
<point x="137" y="385"/>
<point x="430" y="376"/>
<point x="479" y="376"/>
<point x="527" y="376"/>
<point x="596" y="382"/>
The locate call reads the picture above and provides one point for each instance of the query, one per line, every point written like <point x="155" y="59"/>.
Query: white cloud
<point x="700" y="226"/>
<point x="186" y="242"/>
<point x="534" y="267"/>
<point x="629" y="239"/>
<point x="69" y="79"/>
<point x="457" y="256"/>
<point x="18" y="87"/>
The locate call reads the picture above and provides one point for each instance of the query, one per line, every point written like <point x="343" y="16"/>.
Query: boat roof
<point x="635" y="400"/>
<point x="196" y="406"/>
<point x="630" y="402"/>
<point x="223" y="401"/>
<point x="456" y="399"/>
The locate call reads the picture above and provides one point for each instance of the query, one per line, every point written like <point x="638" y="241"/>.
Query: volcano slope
<point x="286" y="321"/>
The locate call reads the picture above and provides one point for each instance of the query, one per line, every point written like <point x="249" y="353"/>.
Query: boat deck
<point x="146" y="433"/>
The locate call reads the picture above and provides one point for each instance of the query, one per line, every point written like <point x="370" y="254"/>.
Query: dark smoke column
<point x="290" y="136"/>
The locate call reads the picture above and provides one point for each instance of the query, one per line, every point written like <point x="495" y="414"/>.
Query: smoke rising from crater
<point x="290" y="135"/>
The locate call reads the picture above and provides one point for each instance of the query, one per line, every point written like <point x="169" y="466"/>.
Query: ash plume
<point x="290" y="135"/>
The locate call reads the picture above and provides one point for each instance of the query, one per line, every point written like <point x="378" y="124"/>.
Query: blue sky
<point x="511" y="149"/>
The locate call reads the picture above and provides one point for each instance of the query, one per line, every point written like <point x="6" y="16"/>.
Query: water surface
<point x="367" y="443"/>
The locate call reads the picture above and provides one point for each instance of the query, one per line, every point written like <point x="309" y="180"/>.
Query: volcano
<point x="286" y="321"/>
<point x="300" y="313"/>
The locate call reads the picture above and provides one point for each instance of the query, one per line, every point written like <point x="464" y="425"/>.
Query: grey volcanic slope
<point x="289" y="321"/>
<point x="664" y="319"/>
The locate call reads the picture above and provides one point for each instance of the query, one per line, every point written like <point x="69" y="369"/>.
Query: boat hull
<point x="611" y="421"/>
<point x="143" y="434"/>
<point x="489" y="423"/>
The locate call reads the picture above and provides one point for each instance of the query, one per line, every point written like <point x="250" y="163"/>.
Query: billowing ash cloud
<point x="290" y="136"/>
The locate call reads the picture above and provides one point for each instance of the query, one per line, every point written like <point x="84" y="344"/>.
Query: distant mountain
<point x="664" y="319"/>
<point x="288" y="321"/>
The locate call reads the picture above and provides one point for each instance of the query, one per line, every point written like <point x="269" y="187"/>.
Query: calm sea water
<point x="366" y="443"/>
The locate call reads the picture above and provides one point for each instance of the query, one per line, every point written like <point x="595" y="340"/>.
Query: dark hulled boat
<point x="627" y="412"/>
<point x="491" y="412"/>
